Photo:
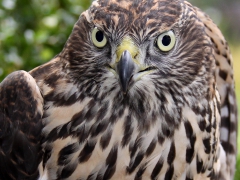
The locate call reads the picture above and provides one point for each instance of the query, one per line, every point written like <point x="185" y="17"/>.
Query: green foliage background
<point x="34" y="31"/>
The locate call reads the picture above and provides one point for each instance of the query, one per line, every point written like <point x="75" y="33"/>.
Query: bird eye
<point x="166" y="41"/>
<point x="98" y="38"/>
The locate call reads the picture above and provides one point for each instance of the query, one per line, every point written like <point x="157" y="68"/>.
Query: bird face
<point x="140" y="45"/>
<point x="133" y="95"/>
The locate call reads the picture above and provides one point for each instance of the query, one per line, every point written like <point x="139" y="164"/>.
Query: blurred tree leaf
<point x="32" y="32"/>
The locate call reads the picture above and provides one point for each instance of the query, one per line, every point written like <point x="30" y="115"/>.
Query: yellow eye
<point x="166" y="41"/>
<point x="98" y="38"/>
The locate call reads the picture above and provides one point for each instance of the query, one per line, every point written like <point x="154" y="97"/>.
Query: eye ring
<point x="166" y="41"/>
<point x="98" y="38"/>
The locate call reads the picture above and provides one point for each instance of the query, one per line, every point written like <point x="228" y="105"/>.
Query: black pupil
<point x="166" y="40"/>
<point x="99" y="36"/>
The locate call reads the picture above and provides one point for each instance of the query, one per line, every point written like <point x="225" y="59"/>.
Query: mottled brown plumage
<point x="21" y="109"/>
<point x="121" y="104"/>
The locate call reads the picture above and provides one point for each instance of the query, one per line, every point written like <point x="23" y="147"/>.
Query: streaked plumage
<point x="123" y="108"/>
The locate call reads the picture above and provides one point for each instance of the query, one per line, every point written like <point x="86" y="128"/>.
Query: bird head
<point x="140" y="47"/>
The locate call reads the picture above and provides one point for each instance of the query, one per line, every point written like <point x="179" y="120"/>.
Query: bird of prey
<point x="143" y="89"/>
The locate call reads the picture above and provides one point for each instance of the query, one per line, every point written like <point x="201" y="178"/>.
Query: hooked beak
<point x="128" y="66"/>
<point x="125" y="69"/>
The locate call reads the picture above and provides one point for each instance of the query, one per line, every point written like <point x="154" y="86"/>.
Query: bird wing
<point x="225" y="85"/>
<point x="21" y="109"/>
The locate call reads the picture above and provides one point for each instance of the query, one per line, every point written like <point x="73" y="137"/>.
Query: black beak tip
<point x="124" y="88"/>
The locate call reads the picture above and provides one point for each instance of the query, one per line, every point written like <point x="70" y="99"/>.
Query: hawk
<point x="141" y="90"/>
